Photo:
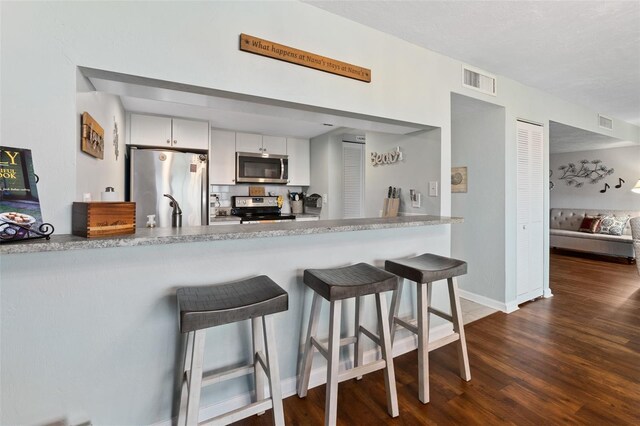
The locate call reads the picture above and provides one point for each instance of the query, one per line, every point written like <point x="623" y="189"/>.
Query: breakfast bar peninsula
<point x="99" y="316"/>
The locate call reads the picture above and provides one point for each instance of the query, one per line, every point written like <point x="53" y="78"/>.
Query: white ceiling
<point x="563" y="138"/>
<point x="586" y="52"/>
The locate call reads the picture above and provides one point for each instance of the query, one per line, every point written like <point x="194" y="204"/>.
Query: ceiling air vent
<point x="479" y="80"/>
<point x="605" y="122"/>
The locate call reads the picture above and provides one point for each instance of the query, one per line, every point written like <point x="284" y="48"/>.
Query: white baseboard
<point x="511" y="307"/>
<point x="488" y="302"/>
<point x="318" y="375"/>
<point x="547" y="293"/>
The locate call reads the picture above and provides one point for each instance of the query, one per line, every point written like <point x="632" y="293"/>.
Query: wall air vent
<point x="479" y="80"/>
<point x="605" y="122"/>
<point x="353" y="138"/>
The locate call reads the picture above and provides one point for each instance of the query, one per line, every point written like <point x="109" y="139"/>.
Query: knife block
<point x="390" y="207"/>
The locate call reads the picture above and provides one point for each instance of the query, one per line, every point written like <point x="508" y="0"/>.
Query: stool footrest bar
<point x="239" y="414"/>
<point x="441" y="314"/>
<point x="443" y="341"/>
<point x="217" y="376"/>
<point x="407" y="324"/>
<point x="322" y="347"/>
<point x="370" y="335"/>
<point x="259" y="358"/>
<point x="362" y="370"/>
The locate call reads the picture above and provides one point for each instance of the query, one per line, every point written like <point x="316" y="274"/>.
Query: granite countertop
<point x="154" y="236"/>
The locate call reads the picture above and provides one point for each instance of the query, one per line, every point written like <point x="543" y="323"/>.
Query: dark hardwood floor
<point x="573" y="358"/>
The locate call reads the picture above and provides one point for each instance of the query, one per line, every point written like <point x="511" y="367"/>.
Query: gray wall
<point x="625" y="162"/>
<point x="477" y="142"/>
<point x="420" y="164"/>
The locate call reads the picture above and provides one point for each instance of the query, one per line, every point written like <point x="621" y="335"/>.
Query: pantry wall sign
<point x="300" y="57"/>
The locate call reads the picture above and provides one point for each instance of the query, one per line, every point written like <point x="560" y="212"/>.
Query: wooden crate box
<point x="103" y="219"/>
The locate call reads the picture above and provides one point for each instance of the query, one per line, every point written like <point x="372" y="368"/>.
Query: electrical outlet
<point x="433" y="189"/>
<point x="324" y="198"/>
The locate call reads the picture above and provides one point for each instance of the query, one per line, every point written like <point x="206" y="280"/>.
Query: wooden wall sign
<point x="92" y="139"/>
<point x="300" y="57"/>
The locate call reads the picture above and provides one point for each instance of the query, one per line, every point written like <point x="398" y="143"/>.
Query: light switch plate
<point x="433" y="189"/>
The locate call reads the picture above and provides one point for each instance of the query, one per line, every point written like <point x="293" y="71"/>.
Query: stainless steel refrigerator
<point x="182" y="175"/>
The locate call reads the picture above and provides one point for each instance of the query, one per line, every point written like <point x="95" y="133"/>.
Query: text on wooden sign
<point x="300" y="57"/>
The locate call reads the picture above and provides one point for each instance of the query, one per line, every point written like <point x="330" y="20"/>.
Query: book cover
<point x="19" y="203"/>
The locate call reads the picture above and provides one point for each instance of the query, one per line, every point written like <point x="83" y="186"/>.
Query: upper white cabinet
<point x="150" y="130"/>
<point x="299" y="162"/>
<point x="248" y="142"/>
<point x="274" y="145"/>
<point x="190" y="134"/>
<point x="251" y="142"/>
<point x="222" y="158"/>
<point x="158" y="131"/>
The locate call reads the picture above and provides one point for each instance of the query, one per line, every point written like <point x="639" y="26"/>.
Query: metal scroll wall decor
<point x="585" y="171"/>
<point x="116" y="148"/>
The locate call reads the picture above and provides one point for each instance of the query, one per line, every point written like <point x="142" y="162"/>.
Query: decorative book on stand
<point x="20" y="215"/>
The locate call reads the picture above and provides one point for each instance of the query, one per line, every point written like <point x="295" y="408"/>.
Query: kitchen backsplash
<point x="225" y="193"/>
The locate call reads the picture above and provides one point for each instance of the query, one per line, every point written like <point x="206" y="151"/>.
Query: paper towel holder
<point x="109" y="194"/>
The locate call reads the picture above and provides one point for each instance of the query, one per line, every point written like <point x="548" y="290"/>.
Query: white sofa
<point x="564" y="234"/>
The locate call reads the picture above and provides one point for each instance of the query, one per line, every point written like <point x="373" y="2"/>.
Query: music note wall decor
<point x="620" y="182"/>
<point x="586" y="171"/>
<point x="606" y="186"/>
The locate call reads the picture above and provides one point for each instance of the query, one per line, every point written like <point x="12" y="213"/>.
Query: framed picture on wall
<point x="458" y="179"/>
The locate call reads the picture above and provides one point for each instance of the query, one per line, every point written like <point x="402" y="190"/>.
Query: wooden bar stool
<point x="424" y="270"/>
<point x="336" y="285"/>
<point x="209" y="306"/>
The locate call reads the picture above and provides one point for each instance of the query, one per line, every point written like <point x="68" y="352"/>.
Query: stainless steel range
<point x="258" y="210"/>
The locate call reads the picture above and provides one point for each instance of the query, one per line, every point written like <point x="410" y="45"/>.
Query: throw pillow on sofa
<point x="613" y="225"/>
<point x="591" y="224"/>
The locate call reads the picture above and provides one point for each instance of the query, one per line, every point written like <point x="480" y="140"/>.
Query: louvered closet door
<point x="530" y="176"/>
<point x="352" y="180"/>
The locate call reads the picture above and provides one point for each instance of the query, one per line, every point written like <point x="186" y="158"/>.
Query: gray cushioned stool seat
<point x="426" y="268"/>
<point x="351" y="281"/>
<point x="209" y="306"/>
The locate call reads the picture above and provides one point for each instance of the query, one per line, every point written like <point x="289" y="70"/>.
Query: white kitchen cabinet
<point x="299" y="162"/>
<point x="251" y="142"/>
<point x="248" y="142"/>
<point x="190" y="134"/>
<point x="159" y="131"/>
<point x="150" y="130"/>
<point x="222" y="158"/>
<point x="274" y="145"/>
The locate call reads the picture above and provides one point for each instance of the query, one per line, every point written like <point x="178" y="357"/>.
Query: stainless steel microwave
<point x="261" y="168"/>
